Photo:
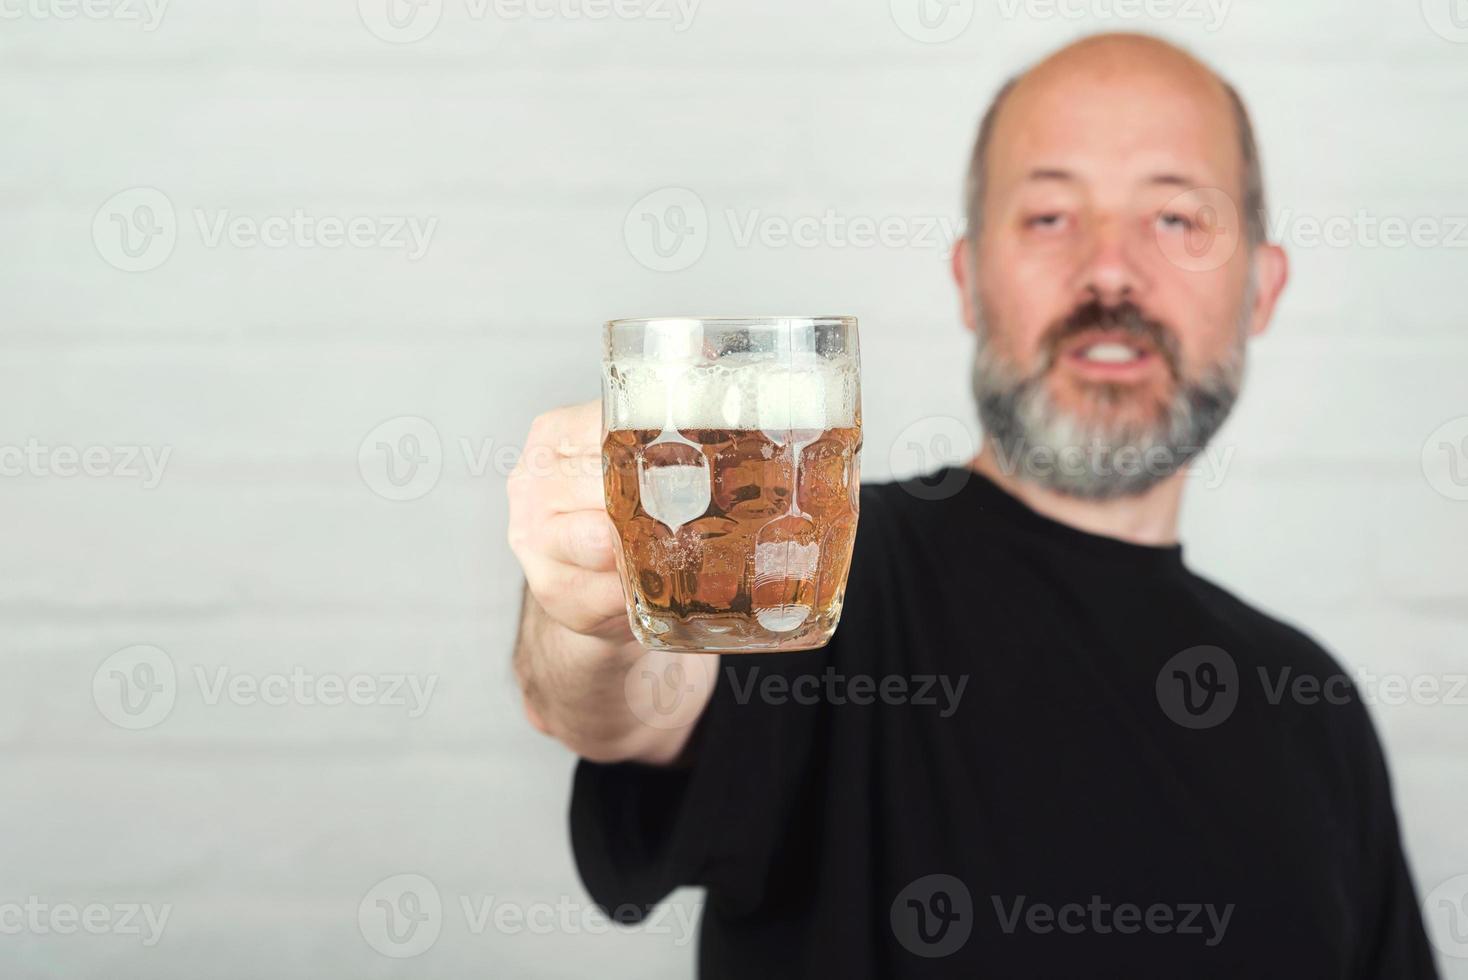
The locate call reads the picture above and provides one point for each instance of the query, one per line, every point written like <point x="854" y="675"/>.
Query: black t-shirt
<point x="1029" y="751"/>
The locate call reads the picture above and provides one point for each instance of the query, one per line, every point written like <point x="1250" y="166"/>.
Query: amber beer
<point x="731" y="468"/>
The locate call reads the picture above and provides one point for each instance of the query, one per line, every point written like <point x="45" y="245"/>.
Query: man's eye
<point x="1174" y="221"/>
<point x="1047" y="221"/>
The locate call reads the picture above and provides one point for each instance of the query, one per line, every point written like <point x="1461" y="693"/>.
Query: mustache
<point x="1126" y="318"/>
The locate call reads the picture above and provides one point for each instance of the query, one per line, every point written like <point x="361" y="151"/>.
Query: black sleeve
<point x="640" y="831"/>
<point x="734" y="819"/>
<point x="1394" y="943"/>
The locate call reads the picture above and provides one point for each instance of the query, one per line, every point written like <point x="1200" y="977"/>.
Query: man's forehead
<point x="1141" y="115"/>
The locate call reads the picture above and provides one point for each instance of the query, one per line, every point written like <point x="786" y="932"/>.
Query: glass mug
<point x="731" y="462"/>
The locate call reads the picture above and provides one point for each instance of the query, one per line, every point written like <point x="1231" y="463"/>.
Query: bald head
<point x="1117" y="90"/>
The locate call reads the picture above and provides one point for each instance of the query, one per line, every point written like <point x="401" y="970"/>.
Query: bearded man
<point x="1039" y="744"/>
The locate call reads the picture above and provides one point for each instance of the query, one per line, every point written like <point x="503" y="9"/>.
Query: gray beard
<point x="1037" y="441"/>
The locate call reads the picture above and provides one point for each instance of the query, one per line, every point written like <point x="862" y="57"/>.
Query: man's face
<point x="1113" y="290"/>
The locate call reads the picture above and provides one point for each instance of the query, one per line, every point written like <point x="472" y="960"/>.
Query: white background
<point x="265" y="548"/>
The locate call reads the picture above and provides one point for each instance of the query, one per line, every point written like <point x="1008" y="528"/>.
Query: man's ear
<point x="964" y="278"/>
<point x="1271" y="272"/>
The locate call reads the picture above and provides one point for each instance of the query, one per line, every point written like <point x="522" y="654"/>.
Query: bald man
<point x="1039" y="744"/>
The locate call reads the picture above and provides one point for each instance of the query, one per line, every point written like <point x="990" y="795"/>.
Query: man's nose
<point x="1110" y="273"/>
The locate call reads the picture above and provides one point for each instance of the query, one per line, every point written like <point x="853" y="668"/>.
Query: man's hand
<point x="575" y="646"/>
<point x="559" y="528"/>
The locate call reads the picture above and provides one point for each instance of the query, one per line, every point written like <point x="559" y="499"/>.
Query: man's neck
<point x="1149" y="518"/>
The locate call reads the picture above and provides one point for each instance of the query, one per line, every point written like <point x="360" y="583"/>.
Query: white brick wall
<point x="261" y="370"/>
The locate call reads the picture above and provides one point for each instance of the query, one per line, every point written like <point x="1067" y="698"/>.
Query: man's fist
<point x="559" y="528"/>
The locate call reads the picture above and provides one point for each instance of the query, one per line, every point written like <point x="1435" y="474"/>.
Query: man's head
<point x="1114" y="263"/>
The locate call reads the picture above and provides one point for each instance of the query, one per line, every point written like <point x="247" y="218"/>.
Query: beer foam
<point x="804" y="392"/>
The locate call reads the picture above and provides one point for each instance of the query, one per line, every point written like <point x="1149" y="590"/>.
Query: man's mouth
<point x="1111" y="355"/>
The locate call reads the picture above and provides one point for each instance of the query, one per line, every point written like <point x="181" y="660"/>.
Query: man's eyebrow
<point x="1174" y="180"/>
<point x="1049" y="173"/>
<point x="1165" y="179"/>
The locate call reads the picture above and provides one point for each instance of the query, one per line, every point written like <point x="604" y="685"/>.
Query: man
<point x="1108" y="774"/>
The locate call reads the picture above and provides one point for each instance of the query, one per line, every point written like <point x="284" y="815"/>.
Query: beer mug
<point x="731" y="460"/>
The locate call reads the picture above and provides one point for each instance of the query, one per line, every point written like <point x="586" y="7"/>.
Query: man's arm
<point x="574" y="646"/>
